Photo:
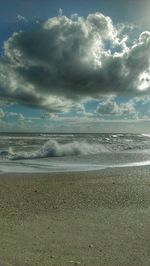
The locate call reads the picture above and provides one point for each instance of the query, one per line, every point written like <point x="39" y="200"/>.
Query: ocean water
<point x="37" y="152"/>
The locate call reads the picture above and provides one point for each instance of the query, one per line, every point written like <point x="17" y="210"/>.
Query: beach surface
<point x="87" y="218"/>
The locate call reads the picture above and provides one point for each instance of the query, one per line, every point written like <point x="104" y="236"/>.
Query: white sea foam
<point x="146" y="135"/>
<point x="115" y="136"/>
<point x="54" y="149"/>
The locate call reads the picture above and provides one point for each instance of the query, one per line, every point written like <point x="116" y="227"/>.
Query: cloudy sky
<point x="75" y="66"/>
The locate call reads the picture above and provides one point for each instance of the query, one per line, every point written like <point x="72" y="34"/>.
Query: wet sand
<point x="90" y="218"/>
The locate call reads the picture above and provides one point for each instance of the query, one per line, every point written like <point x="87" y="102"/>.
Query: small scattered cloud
<point x="22" y="18"/>
<point x="48" y="115"/>
<point x="2" y="113"/>
<point x="10" y="114"/>
<point x="110" y="107"/>
<point x="21" y="117"/>
<point x="60" y="12"/>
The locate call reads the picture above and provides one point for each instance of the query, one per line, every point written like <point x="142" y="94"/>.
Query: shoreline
<point x="89" y="218"/>
<point x="126" y="167"/>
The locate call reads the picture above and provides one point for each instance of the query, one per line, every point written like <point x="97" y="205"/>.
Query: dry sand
<point x="95" y="218"/>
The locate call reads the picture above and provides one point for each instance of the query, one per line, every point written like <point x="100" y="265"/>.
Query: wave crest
<point x="54" y="149"/>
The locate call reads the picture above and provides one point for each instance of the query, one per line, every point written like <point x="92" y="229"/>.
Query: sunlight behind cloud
<point x="144" y="81"/>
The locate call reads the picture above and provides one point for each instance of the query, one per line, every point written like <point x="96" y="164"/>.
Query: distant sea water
<point x="43" y="152"/>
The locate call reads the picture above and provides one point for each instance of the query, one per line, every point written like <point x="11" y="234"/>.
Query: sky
<point x="75" y="66"/>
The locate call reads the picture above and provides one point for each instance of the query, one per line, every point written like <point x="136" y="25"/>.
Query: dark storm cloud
<point x="64" y="60"/>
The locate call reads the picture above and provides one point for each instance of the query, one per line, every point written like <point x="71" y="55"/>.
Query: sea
<point x="57" y="152"/>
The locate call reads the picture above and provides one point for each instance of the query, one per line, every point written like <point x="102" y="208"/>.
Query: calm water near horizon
<point x="45" y="152"/>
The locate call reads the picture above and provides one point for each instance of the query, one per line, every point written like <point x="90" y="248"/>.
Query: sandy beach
<point x="88" y="218"/>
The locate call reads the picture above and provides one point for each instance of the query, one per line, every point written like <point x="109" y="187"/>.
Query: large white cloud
<point x="68" y="59"/>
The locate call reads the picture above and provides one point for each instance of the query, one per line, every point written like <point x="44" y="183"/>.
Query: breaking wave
<point x="54" y="149"/>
